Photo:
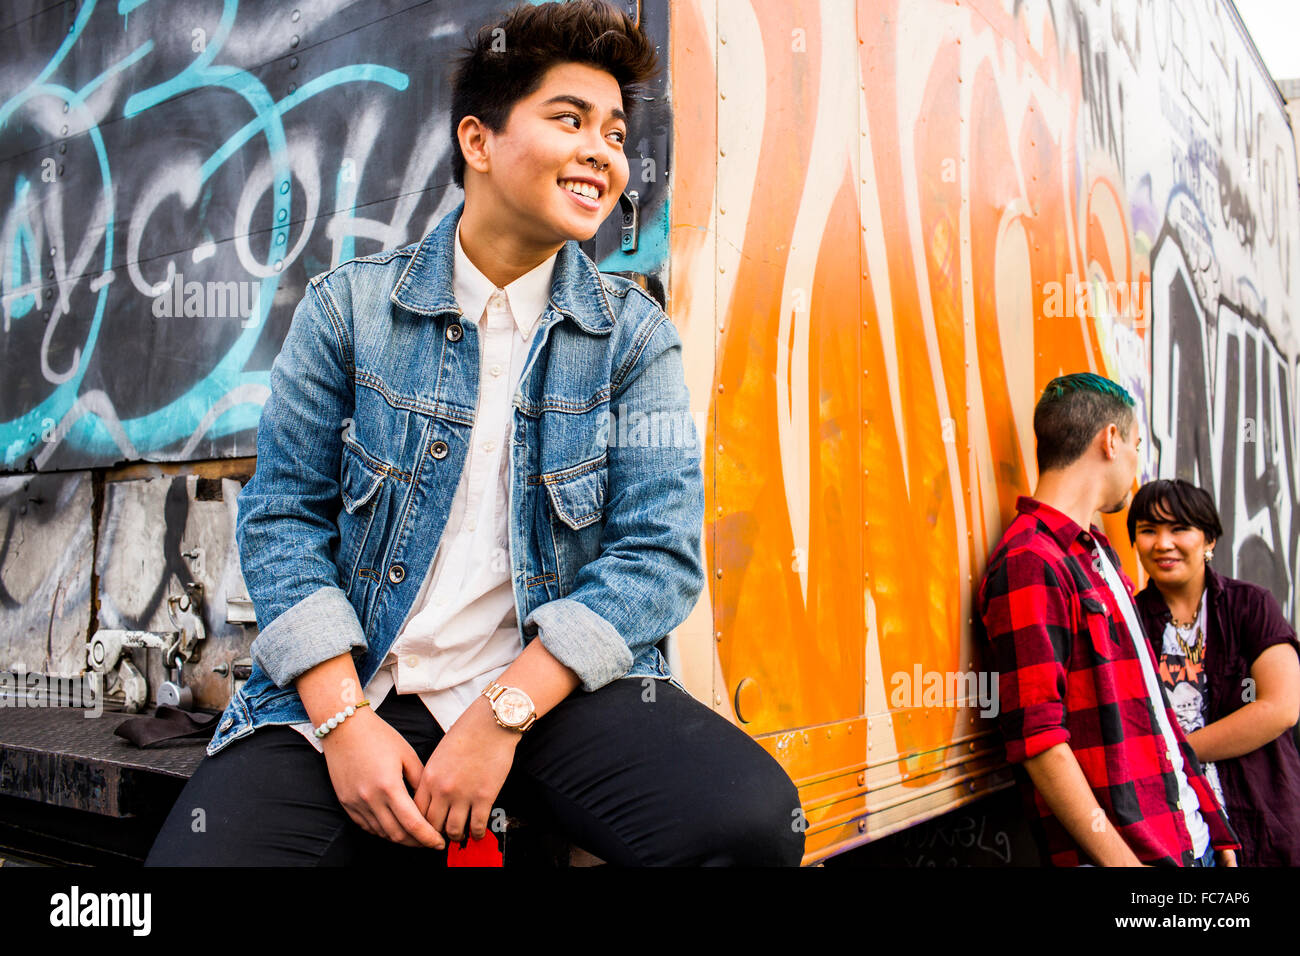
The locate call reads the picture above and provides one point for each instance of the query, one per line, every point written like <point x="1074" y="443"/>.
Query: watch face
<point x="514" y="707"/>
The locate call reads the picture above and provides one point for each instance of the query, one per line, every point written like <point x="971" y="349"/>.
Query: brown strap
<point x="168" y="723"/>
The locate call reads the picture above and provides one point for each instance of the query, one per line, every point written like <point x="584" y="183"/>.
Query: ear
<point x="1109" y="440"/>
<point x="475" y="143"/>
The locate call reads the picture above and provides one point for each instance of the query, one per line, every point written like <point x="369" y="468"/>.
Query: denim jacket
<point x="362" y="441"/>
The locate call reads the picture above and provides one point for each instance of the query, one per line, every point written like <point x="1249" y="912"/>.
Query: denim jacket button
<point x="227" y="723"/>
<point x="454" y="332"/>
<point x="438" y="449"/>
<point x="396" y="573"/>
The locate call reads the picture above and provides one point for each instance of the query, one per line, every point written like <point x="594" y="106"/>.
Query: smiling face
<point x="1171" y="552"/>
<point x="556" y="169"/>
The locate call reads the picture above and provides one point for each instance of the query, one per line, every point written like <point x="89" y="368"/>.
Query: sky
<point x="1274" y="25"/>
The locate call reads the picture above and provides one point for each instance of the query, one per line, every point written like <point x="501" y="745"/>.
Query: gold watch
<point x="512" y="707"/>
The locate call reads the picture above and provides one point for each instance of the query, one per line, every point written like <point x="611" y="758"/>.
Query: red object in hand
<point x="484" y="852"/>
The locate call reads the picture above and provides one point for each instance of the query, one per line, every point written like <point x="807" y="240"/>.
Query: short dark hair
<point x="506" y="61"/>
<point x="1070" y="412"/>
<point x="1177" y="501"/>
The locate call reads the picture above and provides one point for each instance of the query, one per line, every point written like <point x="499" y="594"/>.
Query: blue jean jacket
<point x="360" y="449"/>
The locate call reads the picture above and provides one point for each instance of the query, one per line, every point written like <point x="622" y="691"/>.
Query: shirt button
<point x="470" y="525"/>
<point x="496" y="371"/>
<point x="454" y="332"/>
<point x="412" y="660"/>
<point x="438" y="449"/>
<point x="489" y="446"/>
<point x="396" y="574"/>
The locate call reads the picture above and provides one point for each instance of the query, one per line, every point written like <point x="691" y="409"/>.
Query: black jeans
<point x="636" y="773"/>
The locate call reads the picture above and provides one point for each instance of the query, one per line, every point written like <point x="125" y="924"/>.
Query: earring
<point x="1208" y="555"/>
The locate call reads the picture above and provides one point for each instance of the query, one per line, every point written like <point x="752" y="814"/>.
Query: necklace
<point x="1191" y="639"/>
<point x="1185" y="626"/>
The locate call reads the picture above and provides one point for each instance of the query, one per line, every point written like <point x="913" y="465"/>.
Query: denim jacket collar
<point x="425" y="287"/>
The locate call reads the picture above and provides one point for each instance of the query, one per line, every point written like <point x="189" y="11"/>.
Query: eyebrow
<point x="583" y="105"/>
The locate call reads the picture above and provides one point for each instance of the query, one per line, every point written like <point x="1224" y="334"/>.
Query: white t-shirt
<point x="1196" y="826"/>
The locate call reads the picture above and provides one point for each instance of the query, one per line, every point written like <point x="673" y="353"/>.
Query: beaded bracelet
<point x="338" y="718"/>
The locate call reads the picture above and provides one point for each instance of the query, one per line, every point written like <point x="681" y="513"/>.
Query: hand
<point x="370" y="764"/>
<point x="466" y="772"/>
<point x="1225" y="857"/>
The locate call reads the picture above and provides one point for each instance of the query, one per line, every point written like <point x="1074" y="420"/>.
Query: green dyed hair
<point x="1070" y="412"/>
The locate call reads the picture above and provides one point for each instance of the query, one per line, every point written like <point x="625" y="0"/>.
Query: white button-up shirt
<point x="462" y="630"/>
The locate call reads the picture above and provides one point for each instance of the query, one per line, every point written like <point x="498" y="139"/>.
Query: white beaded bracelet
<point x="338" y="718"/>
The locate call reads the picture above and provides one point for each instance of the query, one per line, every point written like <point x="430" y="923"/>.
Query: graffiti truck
<point x="879" y="226"/>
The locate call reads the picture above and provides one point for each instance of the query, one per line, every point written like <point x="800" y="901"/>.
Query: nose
<point x="1164" y="540"/>
<point x="596" y="151"/>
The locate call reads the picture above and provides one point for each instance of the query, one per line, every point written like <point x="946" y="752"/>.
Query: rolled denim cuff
<point x="582" y="641"/>
<point x="319" y="627"/>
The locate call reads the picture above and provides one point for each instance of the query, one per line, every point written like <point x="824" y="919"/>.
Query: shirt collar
<point x="527" y="296"/>
<point x="424" y="287"/>
<point x="1061" y="526"/>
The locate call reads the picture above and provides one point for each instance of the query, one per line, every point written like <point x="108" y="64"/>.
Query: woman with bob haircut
<point x="1229" y="662"/>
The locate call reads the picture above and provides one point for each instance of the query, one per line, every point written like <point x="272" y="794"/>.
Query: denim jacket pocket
<point x="578" y="494"/>
<point x="361" y="481"/>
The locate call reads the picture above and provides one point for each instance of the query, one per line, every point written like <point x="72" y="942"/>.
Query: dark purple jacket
<point x="1261" y="789"/>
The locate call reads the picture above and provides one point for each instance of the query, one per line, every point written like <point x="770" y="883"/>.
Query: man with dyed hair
<point x="1107" y="774"/>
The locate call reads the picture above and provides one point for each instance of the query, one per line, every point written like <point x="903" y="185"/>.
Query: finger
<point x="419" y="829"/>
<point x="413" y="773"/>
<point x="436" y="814"/>
<point x="479" y="816"/>
<point x="361" y="817"/>
<point x="456" y="819"/>
<point x="397" y="832"/>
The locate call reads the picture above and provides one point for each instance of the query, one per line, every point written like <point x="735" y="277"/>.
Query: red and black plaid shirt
<point x="1069" y="673"/>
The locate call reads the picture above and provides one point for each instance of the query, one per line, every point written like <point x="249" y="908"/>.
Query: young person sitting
<point x="460" y="579"/>
<point x="1108" y="776"/>
<point x="1225" y="649"/>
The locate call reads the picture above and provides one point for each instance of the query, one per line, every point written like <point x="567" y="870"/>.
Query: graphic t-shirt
<point x="1182" y="671"/>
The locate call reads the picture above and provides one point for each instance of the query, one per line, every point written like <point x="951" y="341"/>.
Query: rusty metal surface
<point x="60" y="757"/>
<point x="157" y="537"/>
<point x="45" y="553"/>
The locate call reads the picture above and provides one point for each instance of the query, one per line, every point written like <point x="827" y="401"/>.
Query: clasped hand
<point x="465" y="773"/>
<point x="371" y="766"/>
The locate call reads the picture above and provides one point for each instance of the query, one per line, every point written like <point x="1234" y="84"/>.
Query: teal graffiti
<point x="182" y="417"/>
